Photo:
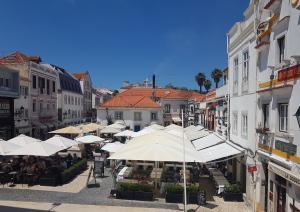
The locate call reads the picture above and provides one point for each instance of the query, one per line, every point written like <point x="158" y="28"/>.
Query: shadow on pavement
<point x="14" y="209"/>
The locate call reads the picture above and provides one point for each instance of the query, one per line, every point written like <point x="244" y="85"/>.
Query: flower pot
<point x="233" y="197"/>
<point x="143" y="196"/>
<point x="174" y="198"/>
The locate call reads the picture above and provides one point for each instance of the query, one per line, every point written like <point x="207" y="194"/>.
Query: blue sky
<point x="117" y="40"/>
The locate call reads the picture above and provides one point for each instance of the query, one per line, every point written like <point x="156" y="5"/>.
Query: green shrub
<point x="174" y="188"/>
<point x="135" y="187"/>
<point x="192" y="189"/>
<point x="72" y="171"/>
<point x="232" y="188"/>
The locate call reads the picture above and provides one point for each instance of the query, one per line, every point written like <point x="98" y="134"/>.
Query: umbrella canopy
<point x="89" y="139"/>
<point x="157" y="146"/>
<point x="112" y="147"/>
<point x="117" y="126"/>
<point x="23" y="140"/>
<point x="67" y="130"/>
<point x="156" y="127"/>
<point x="110" y="130"/>
<point x="61" y="141"/>
<point x="173" y="127"/>
<point x="144" y="131"/>
<point x="94" y="126"/>
<point x="37" y="149"/>
<point x="125" y="133"/>
<point x="6" y="147"/>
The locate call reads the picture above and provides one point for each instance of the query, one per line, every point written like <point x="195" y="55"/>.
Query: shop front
<point x="284" y="189"/>
<point x="6" y="118"/>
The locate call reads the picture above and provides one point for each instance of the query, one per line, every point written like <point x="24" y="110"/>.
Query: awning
<point x="202" y="105"/>
<point x="207" y="141"/>
<point x="176" y="119"/>
<point x="193" y="135"/>
<point x="112" y="147"/>
<point x="219" y="151"/>
<point x="285" y="173"/>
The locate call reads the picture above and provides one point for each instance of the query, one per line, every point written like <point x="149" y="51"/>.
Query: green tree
<point x="207" y="85"/>
<point x="216" y="74"/>
<point x="200" y="78"/>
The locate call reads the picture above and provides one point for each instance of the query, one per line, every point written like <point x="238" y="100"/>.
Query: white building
<point x="86" y="88"/>
<point x="99" y="95"/>
<point x="69" y="98"/>
<point x="278" y="86"/>
<point x="242" y="89"/>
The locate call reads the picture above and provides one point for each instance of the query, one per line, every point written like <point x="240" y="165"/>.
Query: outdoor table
<point x="120" y="175"/>
<point x="220" y="184"/>
<point x="12" y="177"/>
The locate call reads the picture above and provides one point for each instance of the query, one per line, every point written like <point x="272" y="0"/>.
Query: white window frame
<point x="137" y="116"/>
<point x="244" y="124"/>
<point x="266" y="117"/>
<point x="118" y="115"/>
<point x="280" y="57"/>
<point x="245" y="71"/>
<point x="156" y="116"/>
<point x="283" y="118"/>
<point x="235" y="119"/>
<point x="235" y="75"/>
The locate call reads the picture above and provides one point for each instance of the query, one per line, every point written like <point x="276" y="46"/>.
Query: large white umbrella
<point x="112" y="147"/>
<point x="117" y="126"/>
<point x="37" y="149"/>
<point x="157" y="146"/>
<point x="6" y="147"/>
<point x="156" y="127"/>
<point x="61" y="141"/>
<point x="23" y="140"/>
<point x="68" y="130"/>
<point x="173" y="127"/>
<point x="89" y="139"/>
<point x="125" y="133"/>
<point x="110" y="130"/>
<point x="144" y="131"/>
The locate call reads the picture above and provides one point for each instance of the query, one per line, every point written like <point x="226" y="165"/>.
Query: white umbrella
<point x="23" y="140"/>
<point x="157" y="146"/>
<point x="112" y="147"/>
<point x="6" y="147"/>
<point x="61" y="141"/>
<point x="67" y="130"/>
<point x="144" y="132"/>
<point x="156" y="126"/>
<point x="173" y="127"/>
<point x="117" y="126"/>
<point x="89" y="139"/>
<point x="125" y="133"/>
<point x="110" y="130"/>
<point x="37" y="149"/>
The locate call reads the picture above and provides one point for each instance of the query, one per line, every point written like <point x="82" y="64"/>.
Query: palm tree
<point x="216" y="74"/>
<point x="200" y="78"/>
<point x="207" y="85"/>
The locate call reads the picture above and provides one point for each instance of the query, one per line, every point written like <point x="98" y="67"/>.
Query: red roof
<point x="18" y="57"/>
<point x="164" y="93"/>
<point x="130" y="101"/>
<point x="80" y="76"/>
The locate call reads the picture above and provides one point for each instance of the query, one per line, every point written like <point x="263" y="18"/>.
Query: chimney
<point x="153" y="81"/>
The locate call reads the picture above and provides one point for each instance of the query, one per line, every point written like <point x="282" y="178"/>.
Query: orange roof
<point x="164" y="93"/>
<point x="130" y="101"/>
<point x="80" y="75"/>
<point x="18" y="57"/>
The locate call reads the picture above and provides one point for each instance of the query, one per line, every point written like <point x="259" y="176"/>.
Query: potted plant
<point x="233" y="192"/>
<point x="144" y="192"/>
<point x="134" y="191"/>
<point x="192" y="193"/>
<point x="174" y="193"/>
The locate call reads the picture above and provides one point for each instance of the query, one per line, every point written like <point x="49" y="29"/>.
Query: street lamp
<point x="297" y="114"/>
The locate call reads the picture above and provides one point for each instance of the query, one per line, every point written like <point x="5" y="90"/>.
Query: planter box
<point x="143" y="196"/>
<point x="125" y="195"/>
<point x="192" y="199"/>
<point x="233" y="197"/>
<point x="174" y="198"/>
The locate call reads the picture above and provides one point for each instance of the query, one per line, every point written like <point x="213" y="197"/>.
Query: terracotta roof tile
<point x="80" y="75"/>
<point x="130" y="101"/>
<point x="18" y="57"/>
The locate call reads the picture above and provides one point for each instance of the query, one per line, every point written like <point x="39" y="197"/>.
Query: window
<point x="33" y="105"/>
<point x="48" y="87"/>
<point x="137" y="116"/>
<point x="48" y="107"/>
<point x="7" y="83"/>
<point x="153" y="116"/>
<point x="182" y="108"/>
<point x="234" y="122"/>
<point x="244" y="127"/>
<point x="167" y="108"/>
<point x="33" y="81"/>
<point x="66" y="99"/>
<point x="41" y="107"/>
<point x="235" y="75"/>
<point x="281" y="47"/>
<point x="1" y="82"/>
<point x="53" y="87"/>
<point x="245" y="71"/>
<point x="265" y="110"/>
<point x="69" y="100"/>
<point x="283" y="117"/>
<point x="118" y="115"/>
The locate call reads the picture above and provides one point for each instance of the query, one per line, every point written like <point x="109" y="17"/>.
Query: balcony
<point x="289" y="73"/>
<point x="265" y="139"/>
<point x="263" y="32"/>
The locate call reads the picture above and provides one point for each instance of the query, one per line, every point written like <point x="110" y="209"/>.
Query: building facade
<point x="9" y="90"/>
<point x="278" y="102"/>
<point x="86" y="88"/>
